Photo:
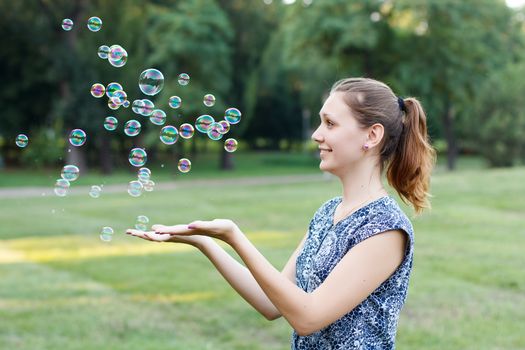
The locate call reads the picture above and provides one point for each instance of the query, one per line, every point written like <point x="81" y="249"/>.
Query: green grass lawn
<point x="63" y="288"/>
<point x="203" y="167"/>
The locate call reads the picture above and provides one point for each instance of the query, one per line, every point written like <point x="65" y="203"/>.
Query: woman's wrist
<point x="204" y="243"/>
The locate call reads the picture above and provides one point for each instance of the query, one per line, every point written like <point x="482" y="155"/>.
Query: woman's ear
<point x="375" y="135"/>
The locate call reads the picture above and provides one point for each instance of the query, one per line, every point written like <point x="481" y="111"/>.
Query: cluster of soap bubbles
<point x="116" y="55"/>
<point x="151" y="83"/>
<point x="68" y="174"/>
<point x="143" y="183"/>
<point x="94" y="24"/>
<point x="116" y="95"/>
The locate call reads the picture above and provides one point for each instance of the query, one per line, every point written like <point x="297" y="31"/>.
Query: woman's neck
<point x="362" y="184"/>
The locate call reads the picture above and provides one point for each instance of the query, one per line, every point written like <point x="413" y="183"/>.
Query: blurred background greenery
<point x="273" y="60"/>
<point x="276" y="61"/>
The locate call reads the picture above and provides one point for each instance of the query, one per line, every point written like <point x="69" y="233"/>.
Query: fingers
<point x="172" y="230"/>
<point x="149" y="236"/>
<point x="138" y="233"/>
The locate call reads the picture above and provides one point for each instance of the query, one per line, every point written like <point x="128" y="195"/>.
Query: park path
<point x="29" y="192"/>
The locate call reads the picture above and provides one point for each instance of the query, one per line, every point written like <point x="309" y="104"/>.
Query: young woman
<point x="345" y="284"/>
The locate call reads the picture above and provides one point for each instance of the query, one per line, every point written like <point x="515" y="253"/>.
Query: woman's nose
<point x="316" y="136"/>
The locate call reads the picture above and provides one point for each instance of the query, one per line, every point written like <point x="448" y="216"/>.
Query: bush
<point x="46" y="149"/>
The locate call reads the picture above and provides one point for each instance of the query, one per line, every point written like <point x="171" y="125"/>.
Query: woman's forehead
<point x="335" y="105"/>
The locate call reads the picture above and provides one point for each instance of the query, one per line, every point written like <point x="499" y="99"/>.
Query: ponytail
<point x="411" y="164"/>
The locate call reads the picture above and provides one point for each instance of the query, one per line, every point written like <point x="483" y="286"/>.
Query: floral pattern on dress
<point x="373" y="323"/>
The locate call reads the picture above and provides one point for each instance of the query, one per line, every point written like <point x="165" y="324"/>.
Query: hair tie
<point x="401" y="104"/>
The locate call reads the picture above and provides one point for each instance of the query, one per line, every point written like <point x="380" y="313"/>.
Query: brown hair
<point x="405" y="147"/>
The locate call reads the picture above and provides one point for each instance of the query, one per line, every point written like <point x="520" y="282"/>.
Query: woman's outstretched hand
<point x="195" y="240"/>
<point x="223" y="229"/>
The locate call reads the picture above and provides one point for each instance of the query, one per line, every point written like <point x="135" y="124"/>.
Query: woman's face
<point x="339" y="136"/>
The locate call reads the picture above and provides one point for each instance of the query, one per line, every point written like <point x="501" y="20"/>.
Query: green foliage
<point x="192" y="37"/>
<point x="47" y="149"/>
<point x="447" y="48"/>
<point x="498" y="116"/>
<point x="271" y="61"/>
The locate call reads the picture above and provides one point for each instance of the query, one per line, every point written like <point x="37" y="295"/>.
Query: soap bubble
<point x="183" y="79"/>
<point x="97" y="90"/>
<point x="112" y="105"/>
<point x="61" y="187"/>
<point x="103" y="51"/>
<point x="137" y="106"/>
<point x="112" y="88"/>
<point x="110" y="123"/>
<point x="184" y="165"/>
<point x="209" y="100"/>
<point x="169" y="135"/>
<point x="142" y="222"/>
<point x="95" y="190"/>
<point x="203" y="123"/>
<point x="232" y="115"/>
<point x="151" y="81"/>
<point x="125" y="104"/>
<point x="22" y="140"/>
<point x="225" y="126"/>
<point x="70" y="172"/>
<point x="106" y="234"/>
<point x="119" y="97"/>
<point x="132" y="127"/>
<point x="149" y="186"/>
<point x="137" y="157"/>
<point x="135" y="188"/>
<point x="214" y="131"/>
<point x="67" y="24"/>
<point x="144" y="174"/>
<point x="148" y="107"/>
<point x="77" y="137"/>
<point x="158" y="117"/>
<point x="175" y="102"/>
<point x="94" y="24"/>
<point x="186" y="131"/>
<point x="230" y="145"/>
<point x="117" y="56"/>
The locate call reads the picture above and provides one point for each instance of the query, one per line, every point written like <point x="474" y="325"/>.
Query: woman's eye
<point x="329" y="123"/>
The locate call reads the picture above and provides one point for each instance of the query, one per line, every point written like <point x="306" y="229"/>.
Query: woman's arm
<point x="241" y="279"/>
<point x="354" y="278"/>
<point x="237" y="275"/>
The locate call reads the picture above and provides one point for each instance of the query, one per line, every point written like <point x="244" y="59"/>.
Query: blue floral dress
<point x="373" y="323"/>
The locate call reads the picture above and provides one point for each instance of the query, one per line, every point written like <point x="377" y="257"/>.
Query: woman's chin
<point x="324" y="167"/>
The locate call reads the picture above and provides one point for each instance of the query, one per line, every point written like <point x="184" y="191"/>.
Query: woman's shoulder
<point x="386" y="214"/>
<point x="329" y="205"/>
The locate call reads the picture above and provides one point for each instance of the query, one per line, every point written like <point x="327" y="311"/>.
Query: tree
<point x="498" y="116"/>
<point x="194" y="37"/>
<point x="449" y="48"/>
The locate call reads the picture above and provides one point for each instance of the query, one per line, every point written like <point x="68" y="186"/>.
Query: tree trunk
<point x="452" y="146"/>
<point x="226" y="161"/>
<point x="76" y="156"/>
<point x="106" y="164"/>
